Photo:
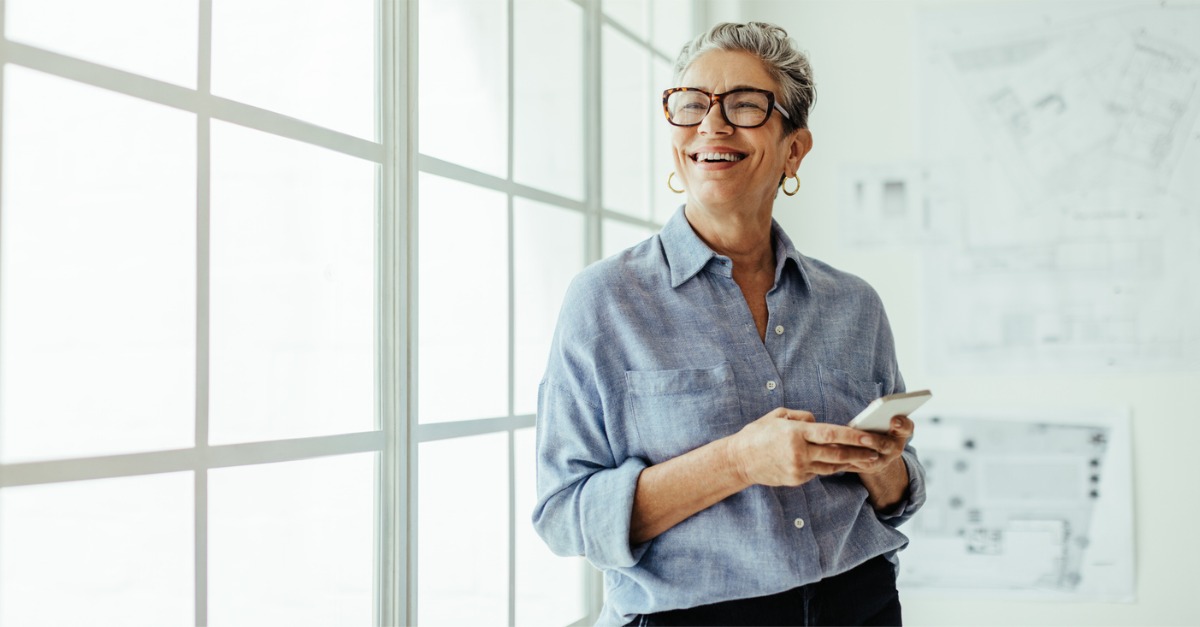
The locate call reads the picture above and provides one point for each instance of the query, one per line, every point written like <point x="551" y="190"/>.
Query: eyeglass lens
<point x="741" y="108"/>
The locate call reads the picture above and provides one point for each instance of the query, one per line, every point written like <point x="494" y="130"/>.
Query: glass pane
<point x="463" y="304"/>
<point x="628" y="13"/>
<point x="548" y="92"/>
<point x="462" y="546"/>
<point x="618" y="236"/>
<point x="464" y="83"/>
<point x="548" y="250"/>
<point x="292" y="543"/>
<point x="308" y="59"/>
<point x="550" y="589"/>
<point x="113" y="33"/>
<point x="665" y="201"/>
<point x="292" y="289"/>
<point x="625" y="119"/>
<point x="98" y="272"/>
<point x="103" y="552"/>
<point x="672" y="26"/>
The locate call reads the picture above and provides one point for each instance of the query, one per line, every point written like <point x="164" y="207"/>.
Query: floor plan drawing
<point x="1073" y="241"/>
<point x="1028" y="505"/>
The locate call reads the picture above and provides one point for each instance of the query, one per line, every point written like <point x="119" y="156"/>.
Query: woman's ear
<point x="800" y="141"/>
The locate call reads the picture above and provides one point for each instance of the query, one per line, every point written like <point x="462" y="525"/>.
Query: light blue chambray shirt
<point x="655" y="354"/>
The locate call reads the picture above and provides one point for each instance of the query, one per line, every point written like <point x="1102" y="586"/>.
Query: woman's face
<point x="748" y="180"/>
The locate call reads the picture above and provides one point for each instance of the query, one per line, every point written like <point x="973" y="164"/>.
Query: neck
<point x="743" y="237"/>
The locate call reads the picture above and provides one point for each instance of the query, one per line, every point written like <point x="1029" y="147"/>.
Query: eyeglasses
<point x="743" y="108"/>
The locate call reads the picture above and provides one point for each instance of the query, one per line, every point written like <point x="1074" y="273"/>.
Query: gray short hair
<point x="779" y="55"/>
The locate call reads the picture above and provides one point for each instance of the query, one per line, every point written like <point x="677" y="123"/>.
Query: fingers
<point x="789" y="447"/>
<point x="798" y="415"/>
<point x="889" y="445"/>
<point x="883" y="444"/>
<point x="824" y="468"/>
<point x="835" y="437"/>
<point x="902" y="426"/>
<point x="892" y="441"/>
<point x="832" y="468"/>
<point x="824" y="433"/>
<point x="827" y="434"/>
<point x="841" y="455"/>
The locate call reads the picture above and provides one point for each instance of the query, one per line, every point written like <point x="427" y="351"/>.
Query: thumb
<point x="800" y="415"/>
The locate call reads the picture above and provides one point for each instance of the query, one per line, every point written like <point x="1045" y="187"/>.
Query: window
<point x="526" y="175"/>
<point x="263" y="357"/>
<point x="189" y="311"/>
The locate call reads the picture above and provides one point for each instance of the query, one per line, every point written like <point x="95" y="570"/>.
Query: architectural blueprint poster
<point x="1061" y="177"/>
<point x="1024" y="506"/>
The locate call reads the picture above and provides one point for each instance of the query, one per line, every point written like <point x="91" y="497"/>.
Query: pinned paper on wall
<point x="1024" y="505"/>
<point x="1074" y="128"/>
<point x="1055" y="200"/>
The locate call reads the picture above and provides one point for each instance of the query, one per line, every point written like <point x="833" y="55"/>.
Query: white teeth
<point x="718" y="156"/>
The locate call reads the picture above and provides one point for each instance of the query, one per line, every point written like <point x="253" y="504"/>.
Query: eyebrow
<point x="734" y="88"/>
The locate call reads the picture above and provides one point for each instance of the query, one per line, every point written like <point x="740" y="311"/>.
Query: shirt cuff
<point x="914" y="496"/>
<point x="605" y="511"/>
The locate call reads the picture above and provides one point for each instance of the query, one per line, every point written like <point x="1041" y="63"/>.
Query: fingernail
<point x="866" y="440"/>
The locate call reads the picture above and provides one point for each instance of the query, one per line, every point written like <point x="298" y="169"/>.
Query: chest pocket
<point x="675" y="411"/>
<point x="843" y="395"/>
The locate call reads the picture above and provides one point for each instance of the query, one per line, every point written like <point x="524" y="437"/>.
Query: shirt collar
<point x="785" y="250"/>
<point x="687" y="254"/>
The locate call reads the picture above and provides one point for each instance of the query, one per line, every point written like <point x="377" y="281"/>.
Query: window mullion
<point x="591" y="124"/>
<point x="512" y="507"/>
<point x="592" y="120"/>
<point x="396" y="330"/>
<point x="203" y="183"/>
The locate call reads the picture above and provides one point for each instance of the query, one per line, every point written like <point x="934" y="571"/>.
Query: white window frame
<point x="595" y="215"/>
<point x="397" y="432"/>
<point x="395" y="54"/>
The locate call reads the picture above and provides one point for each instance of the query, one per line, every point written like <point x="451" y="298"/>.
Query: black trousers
<point x="863" y="595"/>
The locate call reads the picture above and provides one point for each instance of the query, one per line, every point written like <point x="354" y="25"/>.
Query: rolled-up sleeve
<point x="585" y="497"/>
<point x="585" y="479"/>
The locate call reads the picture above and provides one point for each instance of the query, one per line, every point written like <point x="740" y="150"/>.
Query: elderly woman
<point x="691" y="438"/>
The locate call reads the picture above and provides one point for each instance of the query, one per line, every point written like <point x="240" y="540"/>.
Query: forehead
<point x="722" y="70"/>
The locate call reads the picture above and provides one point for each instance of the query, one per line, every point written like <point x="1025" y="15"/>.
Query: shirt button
<point x="770" y="385"/>
<point x="779" y="330"/>
<point x="799" y="522"/>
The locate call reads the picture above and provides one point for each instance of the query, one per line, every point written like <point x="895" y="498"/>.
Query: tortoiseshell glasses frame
<point x="744" y="117"/>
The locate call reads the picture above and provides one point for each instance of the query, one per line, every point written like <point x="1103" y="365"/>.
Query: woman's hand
<point x="889" y="446"/>
<point x="886" y="478"/>
<point x="787" y="447"/>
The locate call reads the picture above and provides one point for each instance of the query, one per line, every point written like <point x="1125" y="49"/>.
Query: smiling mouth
<point x="715" y="157"/>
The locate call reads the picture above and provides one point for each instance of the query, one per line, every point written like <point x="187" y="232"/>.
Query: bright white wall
<point x="861" y="52"/>
<point x="722" y="11"/>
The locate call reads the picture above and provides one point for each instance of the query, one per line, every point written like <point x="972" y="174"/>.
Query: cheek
<point x="678" y="156"/>
<point x="679" y="138"/>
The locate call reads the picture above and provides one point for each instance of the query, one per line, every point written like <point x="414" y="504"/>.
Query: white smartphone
<point x="877" y="416"/>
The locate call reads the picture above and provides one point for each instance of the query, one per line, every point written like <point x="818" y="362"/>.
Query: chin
<point x="718" y="195"/>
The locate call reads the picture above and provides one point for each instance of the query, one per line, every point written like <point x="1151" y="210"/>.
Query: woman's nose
<point x="714" y="122"/>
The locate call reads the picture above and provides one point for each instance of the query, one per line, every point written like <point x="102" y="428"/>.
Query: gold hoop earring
<point x="672" y="187"/>
<point x="783" y="185"/>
